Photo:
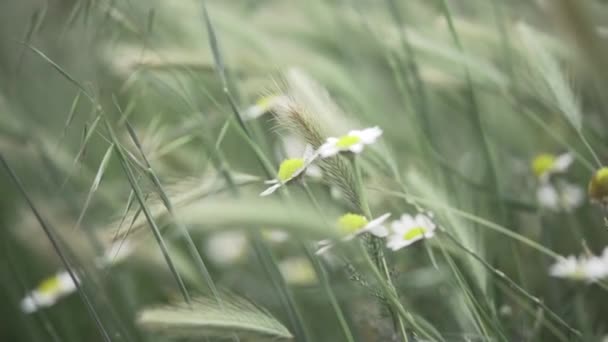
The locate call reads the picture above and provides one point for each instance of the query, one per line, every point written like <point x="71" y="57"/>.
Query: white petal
<point x="309" y="151"/>
<point x="356" y="148"/>
<point x="548" y="197"/>
<point x="370" y="135"/>
<point x="270" y="190"/>
<point x="66" y="284"/>
<point x="314" y="171"/>
<point x="563" y="162"/>
<point x="424" y="222"/>
<point x="253" y="112"/>
<point x="572" y="196"/>
<point x="328" y="151"/>
<point x="226" y="247"/>
<point x="397" y="242"/>
<point x="379" y="231"/>
<point x="271" y="181"/>
<point x="28" y="305"/>
<point x="378" y="221"/>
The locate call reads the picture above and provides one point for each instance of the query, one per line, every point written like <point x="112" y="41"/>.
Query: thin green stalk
<point x="376" y="243"/>
<point x="169" y="206"/>
<point x="513" y="285"/>
<point x="323" y="277"/>
<point x="489" y="224"/>
<point x="393" y="298"/>
<point x="152" y="223"/>
<point x="51" y="235"/>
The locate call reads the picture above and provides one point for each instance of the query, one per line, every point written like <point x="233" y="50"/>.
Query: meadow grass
<point x="136" y="138"/>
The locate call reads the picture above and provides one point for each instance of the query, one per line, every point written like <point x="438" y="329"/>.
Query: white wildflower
<point x="353" y="142"/>
<point x="275" y="235"/>
<point x="544" y="165"/>
<point x="588" y="268"/>
<point x="289" y="170"/>
<point x="562" y="196"/>
<point x="292" y="145"/>
<point x="409" y="229"/>
<point x="48" y="292"/>
<point x="225" y="248"/>
<point x="297" y="271"/>
<point x="352" y="225"/>
<point x="264" y="105"/>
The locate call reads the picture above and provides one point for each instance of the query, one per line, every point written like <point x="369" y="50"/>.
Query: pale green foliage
<point x="206" y="317"/>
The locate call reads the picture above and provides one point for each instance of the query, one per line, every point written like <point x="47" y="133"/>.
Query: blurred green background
<point x="465" y="105"/>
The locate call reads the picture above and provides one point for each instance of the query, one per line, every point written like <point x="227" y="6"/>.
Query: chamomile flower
<point x="598" y="186"/>
<point x="409" y="229"/>
<point x="225" y="248"/>
<point x="263" y="105"/>
<point x="352" y="225"/>
<point x="275" y="235"/>
<point x="561" y="196"/>
<point x="48" y="292"/>
<point x="292" y="145"/>
<point x="289" y="170"/>
<point x="353" y="142"/>
<point x="545" y="164"/>
<point x="297" y="271"/>
<point x="590" y="268"/>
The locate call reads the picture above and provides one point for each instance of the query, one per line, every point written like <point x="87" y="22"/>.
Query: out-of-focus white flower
<point x="544" y="165"/>
<point x="408" y="230"/>
<point x="264" y="105"/>
<point x="289" y="170"/>
<point x="225" y="248"/>
<point x="275" y="235"/>
<point x="352" y="225"/>
<point x="587" y="268"/>
<point x="298" y="271"/>
<point x="117" y="252"/>
<point x="353" y="142"/>
<point x="562" y="196"/>
<point x="48" y="292"/>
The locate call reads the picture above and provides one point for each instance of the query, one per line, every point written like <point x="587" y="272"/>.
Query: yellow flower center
<point x="350" y="223"/>
<point x="602" y="175"/>
<point x="289" y="167"/>
<point x="49" y="285"/>
<point x="347" y="141"/>
<point x="598" y="186"/>
<point x="543" y="163"/>
<point x="414" y="233"/>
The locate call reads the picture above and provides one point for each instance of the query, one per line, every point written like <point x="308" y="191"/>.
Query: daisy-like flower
<point x="297" y="271"/>
<point x="225" y="248"/>
<point x="352" y="225"/>
<point x="289" y="170"/>
<point x="275" y="235"/>
<point x="598" y="186"/>
<point x="48" y="292"/>
<point x="545" y="164"/>
<point x="353" y="142"/>
<point x="562" y="196"/>
<point x="263" y="105"/>
<point x="409" y="229"/>
<point x="589" y="269"/>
